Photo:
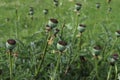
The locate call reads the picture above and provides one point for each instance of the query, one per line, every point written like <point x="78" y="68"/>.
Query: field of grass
<point x="89" y="55"/>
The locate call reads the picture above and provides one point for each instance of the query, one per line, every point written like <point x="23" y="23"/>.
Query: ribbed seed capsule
<point x="53" y="22"/>
<point x="81" y="28"/>
<point x="117" y="33"/>
<point x="61" y="46"/>
<point x="96" y="50"/>
<point x="78" y="6"/>
<point x="10" y="44"/>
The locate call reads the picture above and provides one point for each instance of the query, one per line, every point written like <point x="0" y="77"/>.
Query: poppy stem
<point x="109" y="72"/>
<point x="57" y="66"/>
<point x="10" y="64"/>
<point x="96" y="69"/>
<point x="116" y="71"/>
<point x="43" y="58"/>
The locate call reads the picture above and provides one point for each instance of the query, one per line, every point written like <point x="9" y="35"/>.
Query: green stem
<point x="108" y="76"/>
<point x="10" y="65"/>
<point x="42" y="61"/>
<point x="96" y="69"/>
<point x="75" y="32"/>
<point x="116" y="71"/>
<point x="56" y="68"/>
<point x="111" y="48"/>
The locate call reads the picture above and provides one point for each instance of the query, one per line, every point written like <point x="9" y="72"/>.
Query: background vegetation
<point x="36" y="60"/>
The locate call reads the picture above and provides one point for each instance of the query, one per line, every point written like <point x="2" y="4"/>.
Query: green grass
<point x="39" y="61"/>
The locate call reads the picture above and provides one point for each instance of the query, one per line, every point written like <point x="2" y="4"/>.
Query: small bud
<point x="61" y="46"/>
<point x="45" y="11"/>
<point x="97" y="5"/>
<point x="81" y="28"/>
<point x="117" y="33"/>
<point x="10" y="44"/>
<point x="53" y="23"/>
<point x="96" y="50"/>
<point x="78" y="6"/>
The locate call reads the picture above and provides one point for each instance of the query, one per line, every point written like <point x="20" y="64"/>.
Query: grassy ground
<point x="38" y="60"/>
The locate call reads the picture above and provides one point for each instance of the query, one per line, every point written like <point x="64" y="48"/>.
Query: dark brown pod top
<point x="62" y="43"/>
<point x="11" y="41"/>
<point x="54" y="20"/>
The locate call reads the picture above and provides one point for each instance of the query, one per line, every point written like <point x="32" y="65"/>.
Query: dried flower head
<point x="10" y="44"/>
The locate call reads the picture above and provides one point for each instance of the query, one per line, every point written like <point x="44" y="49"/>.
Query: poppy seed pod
<point x="52" y="23"/>
<point x="10" y="44"/>
<point x="56" y="2"/>
<point x="97" y="5"/>
<point x="111" y="61"/>
<point x="117" y="33"/>
<point x="78" y="6"/>
<point x="81" y="28"/>
<point x="45" y="11"/>
<point x="96" y="50"/>
<point x="61" y="46"/>
<point x="115" y="56"/>
<point x="31" y="11"/>
<point x="109" y="9"/>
